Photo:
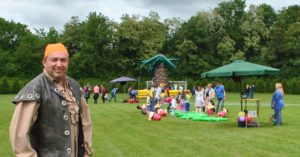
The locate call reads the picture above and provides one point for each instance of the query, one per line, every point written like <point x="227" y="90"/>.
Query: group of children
<point x="203" y="102"/>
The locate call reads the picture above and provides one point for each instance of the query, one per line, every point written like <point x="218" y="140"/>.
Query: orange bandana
<point x="58" y="47"/>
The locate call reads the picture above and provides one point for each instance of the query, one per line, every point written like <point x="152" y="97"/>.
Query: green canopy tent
<point x="238" y="69"/>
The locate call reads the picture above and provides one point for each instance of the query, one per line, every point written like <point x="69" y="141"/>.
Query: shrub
<point x="5" y="86"/>
<point x="16" y="86"/>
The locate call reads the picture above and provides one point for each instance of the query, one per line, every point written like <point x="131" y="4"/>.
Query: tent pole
<point x="241" y="94"/>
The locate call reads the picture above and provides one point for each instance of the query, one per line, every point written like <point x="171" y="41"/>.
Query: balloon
<point x="131" y="101"/>
<point x="156" y="117"/>
<point x="222" y="114"/>
<point x="241" y="114"/>
<point x="241" y="119"/>
<point x="249" y="119"/>
<point x="168" y="100"/>
<point x="162" y="113"/>
<point x="210" y="112"/>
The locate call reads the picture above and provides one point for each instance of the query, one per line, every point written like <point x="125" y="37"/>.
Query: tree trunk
<point x="160" y="74"/>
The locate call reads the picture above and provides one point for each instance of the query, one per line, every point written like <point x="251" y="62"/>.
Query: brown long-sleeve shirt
<point x="26" y="114"/>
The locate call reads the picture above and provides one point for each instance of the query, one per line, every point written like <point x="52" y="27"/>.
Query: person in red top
<point x="104" y="92"/>
<point x="168" y="90"/>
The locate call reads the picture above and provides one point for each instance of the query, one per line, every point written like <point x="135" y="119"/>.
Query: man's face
<point x="56" y="65"/>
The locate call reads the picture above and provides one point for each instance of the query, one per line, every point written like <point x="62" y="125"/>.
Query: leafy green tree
<point x="72" y="37"/>
<point x="47" y="37"/>
<point x="139" y="39"/>
<point x="28" y="57"/>
<point x="268" y="13"/>
<point x="11" y="33"/>
<point x="14" y="55"/>
<point x="191" y="64"/>
<point x="153" y="35"/>
<point x="226" y="49"/>
<point x="255" y="34"/>
<point x="240" y="55"/>
<point x="97" y="43"/>
<point x="282" y="50"/>
<point x="172" y="24"/>
<point x="194" y="46"/>
<point x="233" y="14"/>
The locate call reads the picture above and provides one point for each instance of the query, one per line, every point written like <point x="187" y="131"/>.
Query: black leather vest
<point x="50" y="135"/>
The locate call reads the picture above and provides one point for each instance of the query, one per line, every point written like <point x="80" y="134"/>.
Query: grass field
<point x="119" y="129"/>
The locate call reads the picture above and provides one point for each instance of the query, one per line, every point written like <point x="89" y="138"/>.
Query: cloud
<point x="47" y="13"/>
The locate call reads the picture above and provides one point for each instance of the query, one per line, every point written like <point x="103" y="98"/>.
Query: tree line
<point x="104" y="49"/>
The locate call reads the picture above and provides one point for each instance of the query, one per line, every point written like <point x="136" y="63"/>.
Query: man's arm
<point x="87" y="127"/>
<point x="23" y="118"/>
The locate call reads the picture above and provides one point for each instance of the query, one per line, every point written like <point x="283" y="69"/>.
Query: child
<point x="152" y="102"/>
<point x="223" y="113"/>
<point x="182" y="101"/>
<point x="173" y="106"/>
<point x="199" y="99"/>
<point x="187" y="101"/>
<point x="157" y="107"/>
<point x="209" y="96"/>
<point x="210" y="106"/>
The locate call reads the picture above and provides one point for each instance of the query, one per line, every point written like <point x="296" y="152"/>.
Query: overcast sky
<point x="47" y="13"/>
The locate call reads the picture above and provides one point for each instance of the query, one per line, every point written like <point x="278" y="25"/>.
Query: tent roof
<point x="123" y="79"/>
<point x="159" y="59"/>
<point x="240" y="68"/>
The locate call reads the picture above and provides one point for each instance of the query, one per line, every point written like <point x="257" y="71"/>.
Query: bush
<point x="5" y="86"/>
<point x="16" y="86"/>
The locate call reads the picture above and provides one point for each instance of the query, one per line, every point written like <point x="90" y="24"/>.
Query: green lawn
<point x="121" y="130"/>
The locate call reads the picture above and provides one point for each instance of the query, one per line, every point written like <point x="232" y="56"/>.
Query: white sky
<point x="47" y="13"/>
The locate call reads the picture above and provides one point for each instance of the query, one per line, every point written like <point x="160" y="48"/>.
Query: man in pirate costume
<point x="51" y="117"/>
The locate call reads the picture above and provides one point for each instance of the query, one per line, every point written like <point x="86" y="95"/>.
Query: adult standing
<point x="104" y="92"/>
<point x="252" y="90"/>
<point x="87" y="92"/>
<point x="220" y="94"/>
<point x="51" y="117"/>
<point x="277" y="103"/>
<point x="96" y="94"/>
<point x="247" y="91"/>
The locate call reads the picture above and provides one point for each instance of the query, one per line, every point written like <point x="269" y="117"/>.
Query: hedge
<point x="262" y="84"/>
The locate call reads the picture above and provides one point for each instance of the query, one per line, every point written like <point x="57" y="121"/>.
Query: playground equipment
<point x="144" y="92"/>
